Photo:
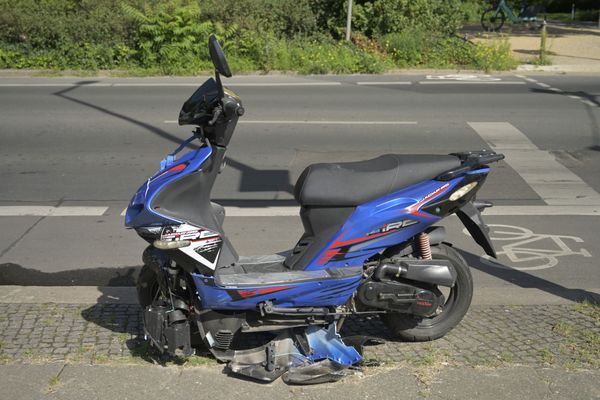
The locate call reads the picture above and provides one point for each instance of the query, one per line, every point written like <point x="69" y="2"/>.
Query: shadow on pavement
<point x="253" y="180"/>
<point x="15" y="274"/>
<point x="527" y="281"/>
<point x="594" y="124"/>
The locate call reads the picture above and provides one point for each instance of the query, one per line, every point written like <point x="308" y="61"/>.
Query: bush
<point x="338" y="58"/>
<point x="379" y="17"/>
<point x="471" y="10"/>
<point x="282" y="18"/>
<point x="416" y="48"/>
<point x="50" y="24"/>
<point x="169" y="37"/>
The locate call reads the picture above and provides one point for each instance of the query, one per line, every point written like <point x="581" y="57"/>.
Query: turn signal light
<point x="462" y="191"/>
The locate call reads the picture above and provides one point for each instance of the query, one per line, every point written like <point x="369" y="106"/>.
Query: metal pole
<point x="349" y="20"/>
<point x="572" y="11"/>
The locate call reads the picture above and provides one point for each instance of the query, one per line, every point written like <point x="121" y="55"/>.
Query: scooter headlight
<point x="462" y="191"/>
<point x="169" y="245"/>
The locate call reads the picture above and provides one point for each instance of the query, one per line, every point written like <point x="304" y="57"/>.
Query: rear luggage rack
<point x="470" y="160"/>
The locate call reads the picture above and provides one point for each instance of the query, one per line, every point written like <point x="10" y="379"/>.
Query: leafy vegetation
<point x="169" y="37"/>
<point x="580" y="15"/>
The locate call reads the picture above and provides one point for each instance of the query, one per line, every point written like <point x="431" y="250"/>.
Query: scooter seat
<point x="355" y="183"/>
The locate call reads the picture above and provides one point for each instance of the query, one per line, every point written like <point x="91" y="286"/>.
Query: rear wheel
<point x="458" y="300"/>
<point x="492" y="21"/>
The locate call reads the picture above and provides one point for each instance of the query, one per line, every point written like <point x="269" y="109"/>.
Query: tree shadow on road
<point x="593" y="100"/>
<point x="525" y="280"/>
<point x="15" y="274"/>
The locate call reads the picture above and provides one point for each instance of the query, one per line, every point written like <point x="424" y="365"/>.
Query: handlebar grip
<point x="216" y="115"/>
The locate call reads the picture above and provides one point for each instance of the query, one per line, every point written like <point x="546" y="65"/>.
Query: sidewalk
<point x="59" y="381"/>
<point x="520" y="351"/>
<point x="571" y="48"/>
<point x="536" y="335"/>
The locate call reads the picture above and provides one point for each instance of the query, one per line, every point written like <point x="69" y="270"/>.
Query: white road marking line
<point x="375" y="83"/>
<point x="289" y="211"/>
<point x="530" y="80"/>
<point x="96" y="84"/>
<point x="543" y="210"/>
<point x="551" y="180"/>
<point x="520" y="76"/>
<point x="157" y="84"/>
<point x="316" y="122"/>
<point x="588" y="102"/>
<point x="472" y="83"/>
<point x="557" y="90"/>
<point x="324" y="83"/>
<point x="544" y="85"/>
<point x="294" y="211"/>
<point x="166" y="84"/>
<point x="463" y="77"/>
<point x="574" y="97"/>
<point x="48" y="211"/>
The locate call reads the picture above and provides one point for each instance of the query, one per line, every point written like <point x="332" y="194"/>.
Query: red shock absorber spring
<point x="424" y="246"/>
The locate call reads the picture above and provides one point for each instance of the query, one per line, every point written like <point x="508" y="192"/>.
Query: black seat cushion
<point x="355" y="183"/>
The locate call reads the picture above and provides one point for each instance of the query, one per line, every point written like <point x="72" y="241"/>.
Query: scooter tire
<point x="421" y="329"/>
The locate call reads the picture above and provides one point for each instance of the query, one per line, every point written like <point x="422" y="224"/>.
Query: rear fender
<point x="471" y="219"/>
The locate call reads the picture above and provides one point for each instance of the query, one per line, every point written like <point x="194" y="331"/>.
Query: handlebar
<point x="228" y="108"/>
<point x="217" y="111"/>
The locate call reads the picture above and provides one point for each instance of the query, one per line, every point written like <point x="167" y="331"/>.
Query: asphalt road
<point x="72" y="152"/>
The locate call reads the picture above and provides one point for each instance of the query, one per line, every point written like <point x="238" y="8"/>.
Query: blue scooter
<point x="370" y="247"/>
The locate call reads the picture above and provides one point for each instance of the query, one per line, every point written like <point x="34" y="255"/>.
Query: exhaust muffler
<point x="435" y="272"/>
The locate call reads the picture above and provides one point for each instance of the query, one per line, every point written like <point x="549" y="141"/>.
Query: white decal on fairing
<point x="200" y="238"/>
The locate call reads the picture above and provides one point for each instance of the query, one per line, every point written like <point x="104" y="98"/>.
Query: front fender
<point x="471" y="219"/>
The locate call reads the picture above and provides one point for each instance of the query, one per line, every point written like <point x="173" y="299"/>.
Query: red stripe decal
<point x="177" y="168"/>
<point x="257" y="292"/>
<point x="414" y="209"/>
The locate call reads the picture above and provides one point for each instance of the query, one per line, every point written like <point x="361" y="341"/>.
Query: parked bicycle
<point x="493" y="18"/>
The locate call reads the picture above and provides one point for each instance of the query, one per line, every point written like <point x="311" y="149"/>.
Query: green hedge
<point x="169" y="37"/>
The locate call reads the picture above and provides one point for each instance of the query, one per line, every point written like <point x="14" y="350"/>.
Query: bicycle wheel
<point x="492" y="21"/>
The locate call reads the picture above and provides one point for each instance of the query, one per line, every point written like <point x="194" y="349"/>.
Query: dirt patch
<point x="566" y="45"/>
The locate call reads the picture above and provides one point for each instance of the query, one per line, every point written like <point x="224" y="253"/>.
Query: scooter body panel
<point x="316" y="293"/>
<point x="140" y="212"/>
<point x="381" y="223"/>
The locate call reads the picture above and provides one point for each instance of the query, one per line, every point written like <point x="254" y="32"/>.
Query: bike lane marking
<point x="466" y="79"/>
<point x="374" y="83"/>
<point x="551" y="180"/>
<point x="531" y="251"/>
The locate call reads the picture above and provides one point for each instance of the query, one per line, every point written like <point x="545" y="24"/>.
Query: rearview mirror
<point x="218" y="57"/>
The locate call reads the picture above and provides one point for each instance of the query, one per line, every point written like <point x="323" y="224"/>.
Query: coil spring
<point x="424" y="246"/>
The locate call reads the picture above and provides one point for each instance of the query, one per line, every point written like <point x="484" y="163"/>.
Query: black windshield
<point x="198" y="107"/>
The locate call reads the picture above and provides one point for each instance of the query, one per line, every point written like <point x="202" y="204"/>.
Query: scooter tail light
<point x="459" y="193"/>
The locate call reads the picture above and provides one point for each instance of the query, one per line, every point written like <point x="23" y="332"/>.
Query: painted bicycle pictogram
<point x="463" y="78"/>
<point x="529" y="250"/>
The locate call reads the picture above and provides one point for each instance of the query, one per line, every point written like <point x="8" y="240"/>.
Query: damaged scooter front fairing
<point x="370" y="247"/>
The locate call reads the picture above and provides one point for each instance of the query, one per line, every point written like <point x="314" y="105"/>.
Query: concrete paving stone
<point x="474" y="340"/>
<point x="13" y="376"/>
